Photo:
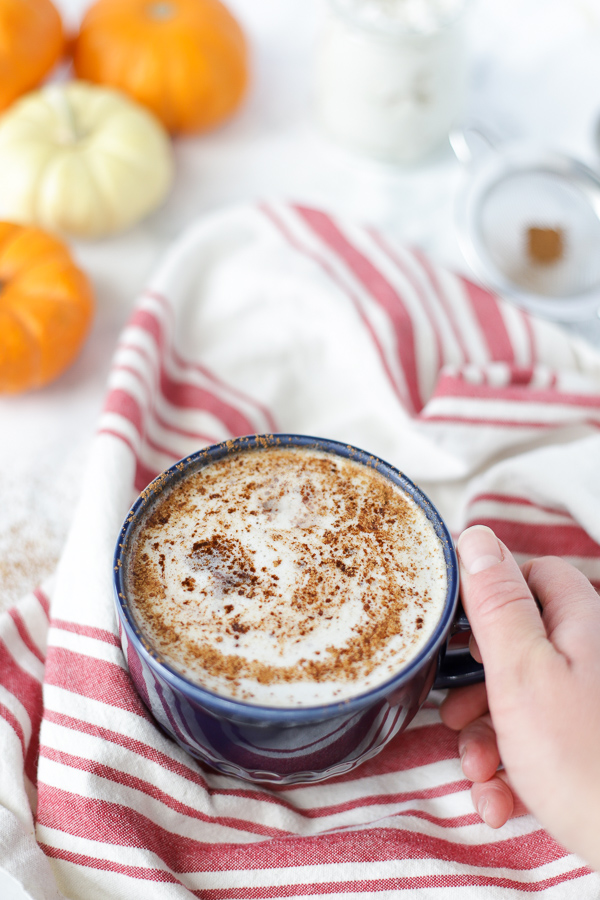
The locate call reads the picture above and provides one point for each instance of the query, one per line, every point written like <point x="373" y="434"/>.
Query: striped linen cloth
<point x="282" y="318"/>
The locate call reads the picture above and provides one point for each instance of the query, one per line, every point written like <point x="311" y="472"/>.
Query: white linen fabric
<point x="282" y="318"/>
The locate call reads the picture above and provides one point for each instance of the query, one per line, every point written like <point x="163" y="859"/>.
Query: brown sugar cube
<point x="544" y="245"/>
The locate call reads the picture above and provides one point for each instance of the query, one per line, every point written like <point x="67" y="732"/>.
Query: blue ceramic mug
<point x="285" y="745"/>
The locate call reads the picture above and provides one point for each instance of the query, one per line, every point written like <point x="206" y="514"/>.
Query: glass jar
<point x="391" y="75"/>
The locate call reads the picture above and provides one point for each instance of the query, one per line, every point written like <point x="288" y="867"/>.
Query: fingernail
<point x="482" y="808"/>
<point x="463" y="756"/>
<point x="478" y="549"/>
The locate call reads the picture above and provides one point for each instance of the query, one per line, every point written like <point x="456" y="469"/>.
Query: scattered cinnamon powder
<point x="359" y="557"/>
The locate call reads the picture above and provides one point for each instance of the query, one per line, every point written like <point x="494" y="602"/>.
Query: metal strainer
<point x="529" y="226"/>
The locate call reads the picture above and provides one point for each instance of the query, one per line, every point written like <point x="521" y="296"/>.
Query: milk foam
<point x="286" y="577"/>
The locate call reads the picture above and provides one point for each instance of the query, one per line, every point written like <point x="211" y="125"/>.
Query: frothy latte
<point x="286" y="577"/>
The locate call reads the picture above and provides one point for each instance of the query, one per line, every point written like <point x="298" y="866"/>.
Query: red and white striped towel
<point x="282" y="318"/>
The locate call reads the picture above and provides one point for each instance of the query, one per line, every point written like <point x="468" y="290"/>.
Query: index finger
<point x="502" y="612"/>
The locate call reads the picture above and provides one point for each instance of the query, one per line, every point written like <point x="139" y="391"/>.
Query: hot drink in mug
<point x="286" y="600"/>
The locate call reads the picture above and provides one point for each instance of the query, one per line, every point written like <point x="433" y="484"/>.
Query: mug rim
<point x="252" y="712"/>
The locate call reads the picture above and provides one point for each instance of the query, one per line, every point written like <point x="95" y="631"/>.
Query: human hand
<point x="539" y="711"/>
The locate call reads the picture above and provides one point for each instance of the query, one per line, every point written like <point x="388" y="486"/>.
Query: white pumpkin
<point x="81" y="160"/>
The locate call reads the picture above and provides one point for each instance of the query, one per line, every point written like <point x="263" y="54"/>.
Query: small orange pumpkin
<point x="31" y="43"/>
<point x="185" y="60"/>
<point x="46" y="308"/>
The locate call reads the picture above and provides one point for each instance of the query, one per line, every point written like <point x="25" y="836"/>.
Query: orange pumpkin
<point x="31" y="43"/>
<point x="185" y="60"/>
<point x="46" y="307"/>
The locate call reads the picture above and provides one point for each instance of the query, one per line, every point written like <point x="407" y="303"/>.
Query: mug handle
<point x="456" y="667"/>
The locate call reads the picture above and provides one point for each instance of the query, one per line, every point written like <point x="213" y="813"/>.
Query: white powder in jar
<point x="423" y="16"/>
<point x="391" y="75"/>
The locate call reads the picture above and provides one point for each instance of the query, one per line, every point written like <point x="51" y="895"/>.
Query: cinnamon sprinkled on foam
<point x="287" y="577"/>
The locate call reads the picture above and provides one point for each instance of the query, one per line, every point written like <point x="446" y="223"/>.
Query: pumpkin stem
<point x="161" y="10"/>
<point x="68" y="133"/>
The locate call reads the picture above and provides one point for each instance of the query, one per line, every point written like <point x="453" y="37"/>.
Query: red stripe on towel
<point x="379" y="289"/>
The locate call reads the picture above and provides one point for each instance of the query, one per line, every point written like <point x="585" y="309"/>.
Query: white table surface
<point x="535" y="72"/>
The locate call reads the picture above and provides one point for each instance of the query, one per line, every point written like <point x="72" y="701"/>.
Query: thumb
<point x="500" y="607"/>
